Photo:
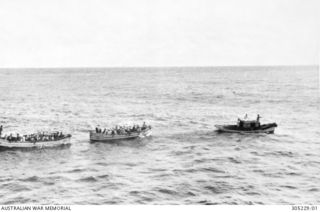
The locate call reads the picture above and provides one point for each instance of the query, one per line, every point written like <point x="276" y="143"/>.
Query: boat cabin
<point x="248" y="124"/>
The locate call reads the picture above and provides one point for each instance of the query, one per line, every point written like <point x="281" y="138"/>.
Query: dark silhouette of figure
<point x="258" y="118"/>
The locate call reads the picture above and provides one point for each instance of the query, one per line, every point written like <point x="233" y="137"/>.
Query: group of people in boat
<point x="38" y="137"/>
<point x="123" y="130"/>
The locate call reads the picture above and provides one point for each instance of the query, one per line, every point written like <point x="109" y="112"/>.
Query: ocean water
<point x="185" y="161"/>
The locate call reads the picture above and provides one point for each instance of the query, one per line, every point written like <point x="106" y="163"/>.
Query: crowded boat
<point x="120" y="132"/>
<point x="40" y="139"/>
<point x="36" y="137"/>
<point x="123" y="130"/>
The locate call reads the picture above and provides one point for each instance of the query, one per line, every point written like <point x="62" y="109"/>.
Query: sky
<point x="109" y="33"/>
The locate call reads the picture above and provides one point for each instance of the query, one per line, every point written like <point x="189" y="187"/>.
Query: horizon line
<point x="202" y="66"/>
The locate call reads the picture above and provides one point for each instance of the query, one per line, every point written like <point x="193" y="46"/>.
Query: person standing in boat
<point x="1" y="128"/>
<point x="258" y="120"/>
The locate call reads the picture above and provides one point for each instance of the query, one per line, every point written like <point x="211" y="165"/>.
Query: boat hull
<point x="99" y="137"/>
<point x="4" y="144"/>
<point x="266" y="128"/>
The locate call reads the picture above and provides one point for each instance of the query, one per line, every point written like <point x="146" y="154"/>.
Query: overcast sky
<point x="99" y="33"/>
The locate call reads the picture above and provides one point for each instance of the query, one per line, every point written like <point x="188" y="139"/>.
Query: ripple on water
<point x="168" y="191"/>
<point x="215" y="190"/>
<point x="77" y="170"/>
<point x="31" y="179"/>
<point x="89" y="179"/>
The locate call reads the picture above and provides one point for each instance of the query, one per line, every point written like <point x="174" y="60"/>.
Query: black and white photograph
<point x="159" y="102"/>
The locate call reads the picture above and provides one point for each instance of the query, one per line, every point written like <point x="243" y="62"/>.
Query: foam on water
<point x="185" y="161"/>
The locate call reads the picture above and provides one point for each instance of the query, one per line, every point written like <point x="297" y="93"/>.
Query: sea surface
<point x="185" y="161"/>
